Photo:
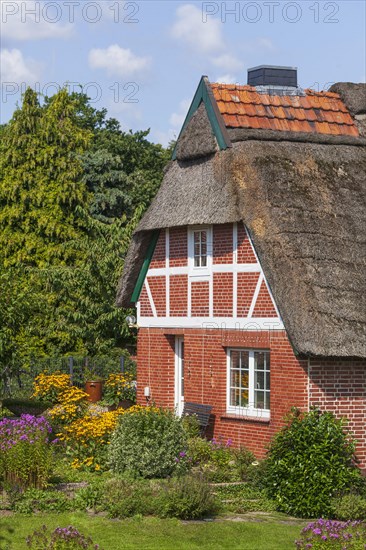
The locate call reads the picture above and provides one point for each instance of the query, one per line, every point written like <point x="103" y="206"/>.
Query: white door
<point x="179" y="375"/>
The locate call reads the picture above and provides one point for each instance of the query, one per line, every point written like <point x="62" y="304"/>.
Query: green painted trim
<point x="203" y="94"/>
<point x="145" y="267"/>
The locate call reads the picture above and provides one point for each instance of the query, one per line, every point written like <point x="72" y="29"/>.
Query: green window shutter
<point x="145" y="267"/>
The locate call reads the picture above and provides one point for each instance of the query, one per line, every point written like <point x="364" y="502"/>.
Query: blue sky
<point x="142" y="60"/>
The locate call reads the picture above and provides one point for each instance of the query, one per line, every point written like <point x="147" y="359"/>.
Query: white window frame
<point x="199" y="270"/>
<point x="250" y="410"/>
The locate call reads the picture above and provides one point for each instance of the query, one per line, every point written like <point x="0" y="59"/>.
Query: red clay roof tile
<point x="316" y="112"/>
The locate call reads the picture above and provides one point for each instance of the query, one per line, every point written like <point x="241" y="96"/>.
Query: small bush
<point x="309" y="461"/>
<point x="90" y="497"/>
<point x="62" y="538"/>
<point x="243" y="497"/>
<point x="124" y="498"/>
<point x="349" y="507"/>
<point x="119" y="386"/>
<point x="187" y="498"/>
<point x="335" y="535"/>
<point x="218" y="461"/>
<point x="147" y="443"/>
<point x="36" y="500"/>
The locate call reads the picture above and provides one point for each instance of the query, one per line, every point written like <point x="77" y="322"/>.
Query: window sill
<point x="245" y="418"/>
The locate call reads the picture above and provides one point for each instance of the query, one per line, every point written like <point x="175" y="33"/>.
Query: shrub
<point x="187" y="497"/>
<point x="309" y="461"/>
<point x="47" y="387"/>
<point x="125" y="498"/>
<point x="321" y="535"/>
<point x="72" y="404"/>
<point x="26" y="456"/>
<point x="36" y="500"/>
<point x="62" y="538"/>
<point x="218" y="461"/>
<point x="90" y="497"/>
<point x="349" y="507"/>
<point x="243" y="497"/>
<point x="87" y="439"/>
<point x="118" y="387"/>
<point x="146" y="443"/>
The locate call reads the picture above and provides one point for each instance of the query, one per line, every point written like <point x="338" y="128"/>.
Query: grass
<point x="262" y="533"/>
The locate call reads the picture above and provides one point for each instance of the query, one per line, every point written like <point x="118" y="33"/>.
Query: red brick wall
<point x="178" y="246"/>
<point x="245" y="251"/>
<point x="340" y="386"/>
<point x="223" y="294"/>
<point x="178" y="295"/>
<point x="145" y="308"/>
<point x="246" y="287"/>
<point x="157" y="288"/>
<point x="158" y="259"/>
<point x="200" y="299"/>
<point x="223" y="244"/>
<point x="264" y="306"/>
<point x="205" y="377"/>
<point x="155" y="366"/>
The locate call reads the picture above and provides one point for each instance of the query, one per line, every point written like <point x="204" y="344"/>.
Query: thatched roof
<point x="304" y="206"/>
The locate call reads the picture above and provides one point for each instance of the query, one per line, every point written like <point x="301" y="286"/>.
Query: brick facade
<point x="206" y="373"/>
<point x="234" y="291"/>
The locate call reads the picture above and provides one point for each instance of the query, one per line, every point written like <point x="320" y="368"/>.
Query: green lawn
<point x="261" y="533"/>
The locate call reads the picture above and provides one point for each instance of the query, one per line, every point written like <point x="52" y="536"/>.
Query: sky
<point x="143" y="60"/>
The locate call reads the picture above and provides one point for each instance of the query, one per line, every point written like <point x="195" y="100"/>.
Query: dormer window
<point x="200" y="248"/>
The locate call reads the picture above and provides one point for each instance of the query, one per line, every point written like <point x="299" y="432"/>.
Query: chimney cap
<point x="272" y="67"/>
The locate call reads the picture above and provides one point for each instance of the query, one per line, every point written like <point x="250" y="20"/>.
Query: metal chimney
<point x="274" y="79"/>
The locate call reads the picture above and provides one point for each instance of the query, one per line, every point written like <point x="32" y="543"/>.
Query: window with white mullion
<point x="248" y="382"/>
<point x="200" y="248"/>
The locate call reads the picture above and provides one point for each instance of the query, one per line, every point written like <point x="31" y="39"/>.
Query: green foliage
<point x="126" y="498"/>
<point x="309" y="461"/>
<point x="37" y="500"/>
<point x="90" y="497"/>
<point x="218" y="461"/>
<point x="243" y="497"/>
<point x="188" y="497"/>
<point x="73" y="186"/>
<point x="349" y="507"/>
<point x="147" y="443"/>
<point x="62" y="538"/>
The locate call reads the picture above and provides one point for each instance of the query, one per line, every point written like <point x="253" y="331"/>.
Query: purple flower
<point x="182" y="454"/>
<point x="229" y="442"/>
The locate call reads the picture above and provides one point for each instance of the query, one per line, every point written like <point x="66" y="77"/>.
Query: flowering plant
<point x="26" y="457"/>
<point x="87" y="438"/>
<point x="324" y="534"/>
<point x="62" y="538"/>
<point x="72" y="404"/>
<point x="119" y="386"/>
<point x="47" y="387"/>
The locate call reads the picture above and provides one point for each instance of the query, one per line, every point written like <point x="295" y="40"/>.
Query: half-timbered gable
<point x="248" y="268"/>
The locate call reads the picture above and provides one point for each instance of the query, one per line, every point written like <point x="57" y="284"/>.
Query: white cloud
<point x="228" y="62"/>
<point x="227" y="79"/>
<point x="30" y="20"/>
<point x="190" y="28"/>
<point x="164" y="137"/>
<point x="117" y="61"/>
<point x="15" y="68"/>
<point x="206" y="40"/>
<point x="177" y="119"/>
